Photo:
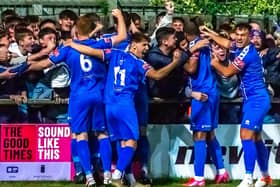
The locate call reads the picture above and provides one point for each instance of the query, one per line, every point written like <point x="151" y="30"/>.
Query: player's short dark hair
<point x="68" y="14"/>
<point x="3" y="33"/>
<point x="243" y="26"/>
<point x="84" y="25"/>
<point x="21" y="33"/>
<point x="178" y="19"/>
<point x="163" y="33"/>
<point x="29" y="19"/>
<point x="12" y="21"/>
<point x="46" y="31"/>
<point x="139" y="37"/>
<point x="21" y="25"/>
<point x="93" y="17"/>
<point x="180" y="36"/>
<point x="161" y="14"/>
<point x="126" y="17"/>
<point x="7" y="13"/>
<point x="45" y="21"/>
<point x="225" y="27"/>
<point x="134" y="16"/>
<point x="192" y="27"/>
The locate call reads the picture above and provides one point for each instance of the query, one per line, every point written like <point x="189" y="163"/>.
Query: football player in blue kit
<point x="88" y="76"/>
<point x="204" y="113"/>
<point x="142" y="106"/>
<point x="126" y="71"/>
<point x="256" y="102"/>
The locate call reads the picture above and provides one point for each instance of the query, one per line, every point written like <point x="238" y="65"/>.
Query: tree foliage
<point x="230" y="7"/>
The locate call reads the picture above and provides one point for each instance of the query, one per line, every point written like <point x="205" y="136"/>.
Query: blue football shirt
<point x="125" y="73"/>
<point x="248" y="62"/>
<point x="204" y="79"/>
<point x="87" y="73"/>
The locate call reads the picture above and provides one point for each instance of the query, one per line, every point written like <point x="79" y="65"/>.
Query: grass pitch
<point x="157" y="183"/>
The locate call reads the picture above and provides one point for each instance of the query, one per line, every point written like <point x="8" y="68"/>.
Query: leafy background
<point x="230" y="7"/>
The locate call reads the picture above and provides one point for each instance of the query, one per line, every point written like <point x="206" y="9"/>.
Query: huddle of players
<point x="105" y="80"/>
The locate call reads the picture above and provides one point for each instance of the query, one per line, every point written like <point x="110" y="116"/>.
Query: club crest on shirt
<point x="55" y="52"/>
<point x="146" y="66"/>
<point x="239" y="62"/>
<point x="107" y="51"/>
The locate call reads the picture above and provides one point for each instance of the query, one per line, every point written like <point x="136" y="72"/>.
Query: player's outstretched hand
<point x="200" y="44"/>
<point x="50" y="47"/>
<point x="7" y="74"/>
<point x="19" y="99"/>
<point x="199" y="96"/>
<point x="206" y="32"/>
<point x="116" y="13"/>
<point x="177" y="55"/>
<point x="169" y="6"/>
<point x="99" y="27"/>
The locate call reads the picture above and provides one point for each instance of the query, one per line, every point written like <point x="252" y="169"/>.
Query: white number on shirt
<point x="86" y="64"/>
<point x="119" y="76"/>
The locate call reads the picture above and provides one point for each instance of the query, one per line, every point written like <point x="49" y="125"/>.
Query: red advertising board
<point x="35" y="152"/>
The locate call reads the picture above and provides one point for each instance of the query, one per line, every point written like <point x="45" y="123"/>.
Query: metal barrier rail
<point x="152" y="101"/>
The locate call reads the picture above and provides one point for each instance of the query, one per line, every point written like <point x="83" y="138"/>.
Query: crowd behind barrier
<point x="41" y="67"/>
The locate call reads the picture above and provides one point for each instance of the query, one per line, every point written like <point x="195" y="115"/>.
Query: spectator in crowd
<point x="257" y="38"/>
<point x="164" y="19"/>
<point x="136" y="19"/>
<point x="67" y="19"/>
<point x="178" y="24"/>
<point x="5" y="14"/>
<point x="48" y="23"/>
<point x="25" y="41"/>
<point x="227" y="29"/>
<point x="271" y="64"/>
<point x="255" y="26"/>
<point x="4" y="39"/>
<point x="97" y="32"/>
<point x="181" y="40"/>
<point x="33" y="22"/>
<point x="10" y="24"/>
<point x="160" y="56"/>
<point x="12" y="86"/>
<point x="228" y="86"/>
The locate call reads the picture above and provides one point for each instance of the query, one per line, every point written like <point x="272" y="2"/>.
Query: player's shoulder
<point x="193" y="42"/>
<point x="246" y="52"/>
<point x="108" y="35"/>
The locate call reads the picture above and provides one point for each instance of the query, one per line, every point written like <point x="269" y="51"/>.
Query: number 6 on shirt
<point x="86" y="64"/>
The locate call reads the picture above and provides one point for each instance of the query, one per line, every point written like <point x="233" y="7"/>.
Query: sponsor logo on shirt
<point x="107" y="40"/>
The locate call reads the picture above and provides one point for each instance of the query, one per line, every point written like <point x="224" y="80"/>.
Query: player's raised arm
<point x="162" y="72"/>
<point x="208" y="33"/>
<point x="7" y="74"/>
<point x="191" y="65"/>
<point x="226" y="71"/>
<point x="98" y="53"/>
<point x="39" y="65"/>
<point x="121" y="30"/>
